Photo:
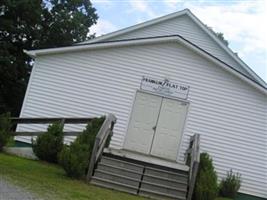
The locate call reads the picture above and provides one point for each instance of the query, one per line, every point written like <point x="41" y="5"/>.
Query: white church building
<point x="165" y="80"/>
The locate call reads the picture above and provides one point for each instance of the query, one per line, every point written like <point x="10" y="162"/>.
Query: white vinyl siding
<point x="229" y="114"/>
<point x="187" y="28"/>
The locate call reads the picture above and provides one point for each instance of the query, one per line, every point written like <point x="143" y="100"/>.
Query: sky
<point x="243" y="22"/>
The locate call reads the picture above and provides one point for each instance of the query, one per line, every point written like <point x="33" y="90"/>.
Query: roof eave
<point x="42" y="52"/>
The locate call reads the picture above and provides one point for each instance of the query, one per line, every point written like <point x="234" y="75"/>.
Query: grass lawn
<point x="49" y="181"/>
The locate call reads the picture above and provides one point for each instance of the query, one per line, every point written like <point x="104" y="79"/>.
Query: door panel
<point x="144" y="117"/>
<point x="169" y="129"/>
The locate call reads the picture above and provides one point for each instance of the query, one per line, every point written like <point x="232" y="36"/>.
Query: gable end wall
<point x="187" y="28"/>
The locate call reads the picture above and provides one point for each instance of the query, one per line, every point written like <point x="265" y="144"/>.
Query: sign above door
<point x="164" y="87"/>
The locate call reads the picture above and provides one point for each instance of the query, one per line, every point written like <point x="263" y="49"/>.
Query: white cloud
<point x="173" y="4"/>
<point x="142" y="6"/>
<point x="139" y="5"/>
<point x="104" y="4"/>
<point x="102" y="1"/>
<point x="102" y="27"/>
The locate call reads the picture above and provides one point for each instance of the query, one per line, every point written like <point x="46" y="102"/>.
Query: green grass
<point x="50" y="182"/>
<point x="221" y="198"/>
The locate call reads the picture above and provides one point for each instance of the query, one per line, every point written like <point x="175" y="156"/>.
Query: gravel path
<point x="9" y="191"/>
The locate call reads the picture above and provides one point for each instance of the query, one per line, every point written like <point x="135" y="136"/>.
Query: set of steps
<point x="140" y="178"/>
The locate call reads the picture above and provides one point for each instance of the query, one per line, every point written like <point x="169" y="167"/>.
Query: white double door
<point x="156" y="126"/>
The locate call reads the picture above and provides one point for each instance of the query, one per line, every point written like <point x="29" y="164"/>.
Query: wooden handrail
<point x="100" y="142"/>
<point x="192" y="160"/>
<point x="62" y="120"/>
<point x="20" y="133"/>
<point x="70" y="120"/>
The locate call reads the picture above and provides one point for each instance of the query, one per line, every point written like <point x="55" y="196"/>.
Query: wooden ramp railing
<point x="104" y="133"/>
<point x="192" y="160"/>
<point x="100" y="142"/>
<point x="63" y="121"/>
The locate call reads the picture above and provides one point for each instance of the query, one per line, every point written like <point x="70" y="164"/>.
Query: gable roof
<point x="150" y="40"/>
<point x="188" y="13"/>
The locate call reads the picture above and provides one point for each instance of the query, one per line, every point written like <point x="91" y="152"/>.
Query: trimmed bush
<point x="206" y="183"/>
<point x="5" y="127"/>
<point x="230" y="185"/>
<point x="48" y="145"/>
<point x="75" y="158"/>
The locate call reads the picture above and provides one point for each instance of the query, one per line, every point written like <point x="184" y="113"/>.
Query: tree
<point x="218" y="35"/>
<point x="221" y="37"/>
<point x="32" y="24"/>
<point x="64" y="22"/>
<point x="17" y="29"/>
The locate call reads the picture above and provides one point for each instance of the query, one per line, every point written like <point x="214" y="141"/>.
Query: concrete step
<point x="175" y="176"/>
<point x="117" y="178"/>
<point x="164" y="189"/>
<point x="119" y="170"/>
<point x="165" y="181"/>
<point x="133" y="177"/>
<point x="159" y="195"/>
<point x="164" y="184"/>
<point x="122" y="164"/>
<point x="113" y="185"/>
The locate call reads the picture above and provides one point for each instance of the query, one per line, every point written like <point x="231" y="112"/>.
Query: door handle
<point x="154" y="128"/>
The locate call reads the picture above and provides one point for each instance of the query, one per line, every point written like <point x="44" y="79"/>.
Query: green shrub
<point x="75" y="158"/>
<point x="48" y="145"/>
<point x="230" y="185"/>
<point x="206" y="182"/>
<point x="5" y="126"/>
